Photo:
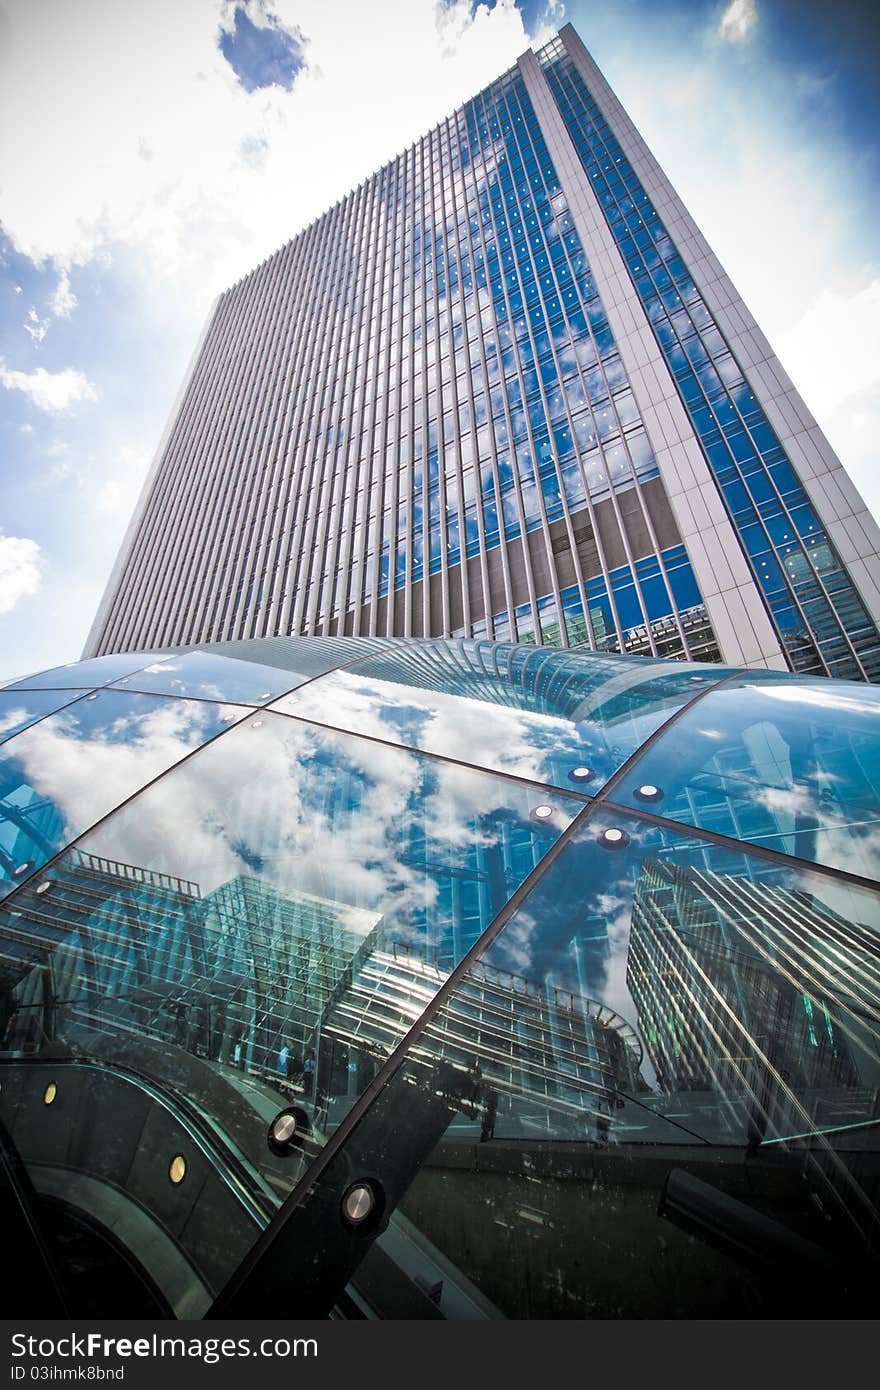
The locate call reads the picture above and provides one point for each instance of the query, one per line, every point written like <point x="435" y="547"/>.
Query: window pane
<point x="225" y="947"/>
<point x="788" y="763"/>
<point x="62" y="775"/>
<point x="654" y="1095"/>
<point x="541" y="715"/>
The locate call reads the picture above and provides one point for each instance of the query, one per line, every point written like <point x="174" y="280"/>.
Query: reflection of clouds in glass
<point x="458" y="726"/>
<point x="13" y="718"/>
<point x="839" y="699"/>
<point x="314" y="812"/>
<point x="856" y="850"/>
<point x="512" y="950"/>
<point x="86" y="771"/>
<point x="785" y="801"/>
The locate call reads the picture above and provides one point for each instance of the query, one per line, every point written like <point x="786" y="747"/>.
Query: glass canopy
<point x="442" y="979"/>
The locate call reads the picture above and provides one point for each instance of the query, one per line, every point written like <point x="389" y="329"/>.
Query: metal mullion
<point x="287" y="462"/>
<point x="201" y="550"/>
<point x="194" y="485"/>
<point x="352" y="332"/>
<point x="568" y="414"/>
<point x="241" y="501"/>
<point x="348" y="332"/>
<point x="261" y="541"/>
<point x="359" y="337"/>
<point x="419" y="359"/>
<point x="517" y="485"/>
<point x="317" y="525"/>
<point x="175" y="466"/>
<point x="316" y="294"/>
<point x="129" y="594"/>
<point x="427" y="206"/>
<point x="479" y="111"/>
<point x="531" y="443"/>
<point x="380" y="426"/>
<point x="300" y="292"/>
<point x="526" y="144"/>
<point x="398" y="240"/>
<point x="406" y="437"/>
<point x="590" y="505"/>
<point x="391" y="431"/>
<point x="482" y="553"/>
<point x="203" y="497"/>
<point x="454" y="143"/>
<point x="483" y="549"/>
<point x="299" y="549"/>
<point x="439" y="236"/>
<point x="247" y="494"/>
<point x="533" y="596"/>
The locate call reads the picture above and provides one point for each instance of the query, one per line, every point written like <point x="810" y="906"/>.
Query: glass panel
<point x="655" y="1095"/>
<point x="201" y="675"/>
<point x="189" y="955"/>
<point x="550" y="716"/>
<point x="84" y="675"/>
<point x="792" y="764"/>
<point x="62" y="775"/>
<point x="305" y="656"/>
<point x="18" y="711"/>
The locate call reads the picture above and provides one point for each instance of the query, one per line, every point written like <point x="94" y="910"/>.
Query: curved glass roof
<point x="492" y="930"/>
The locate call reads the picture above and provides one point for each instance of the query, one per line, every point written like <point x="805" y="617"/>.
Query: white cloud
<point x="118" y="493"/>
<point x="738" y="20"/>
<point x="199" y="209"/>
<point x="49" y="390"/>
<point x="842" y="388"/>
<point x="21" y="563"/>
<point x="833" y="350"/>
<point x="63" y="301"/>
<point x="35" y="326"/>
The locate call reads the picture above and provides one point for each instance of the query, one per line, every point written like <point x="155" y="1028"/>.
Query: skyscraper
<point x="502" y="389"/>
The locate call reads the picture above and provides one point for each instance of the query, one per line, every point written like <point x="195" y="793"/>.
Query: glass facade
<point x="821" y="620"/>
<point x="442" y="978"/>
<point x="432" y="414"/>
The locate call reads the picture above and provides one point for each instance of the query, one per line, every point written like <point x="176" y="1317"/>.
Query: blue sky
<point x="150" y="155"/>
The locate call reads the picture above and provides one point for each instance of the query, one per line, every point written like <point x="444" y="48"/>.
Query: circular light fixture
<point x="358" y="1203"/>
<point x="50" y="1093"/>
<point x="284" y="1128"/>
<point x="581" y="774"/>
<point x="92" y="697"/>
<point x="542" y="812"/>
<point x="648" y="792"/>
<point x="288" y="1130"/>
<point x="614" y="838"/>
<point x="21" y="869"/>
<point x="177" y="1169"/>
<point x="44" y="886"/>
<point x="256" y="723"/>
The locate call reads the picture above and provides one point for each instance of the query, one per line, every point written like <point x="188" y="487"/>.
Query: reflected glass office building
<point x="503" y="390"/>
<point x="364" y="977"/>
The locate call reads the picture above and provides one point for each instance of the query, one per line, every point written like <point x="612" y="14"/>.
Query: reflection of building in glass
<point x="549" y="1060"/>
<point x="429" y="414"/>
<point x="30" y="826"/>
<point x="717" y="969"/>
<point x="234" y="976"/>
<point x="412" y="893"/>
<point x="231" y="976"/>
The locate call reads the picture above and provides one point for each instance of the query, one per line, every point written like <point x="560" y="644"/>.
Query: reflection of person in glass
<point x="490" y="1109"/>
<point x="308" y="1074"/>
